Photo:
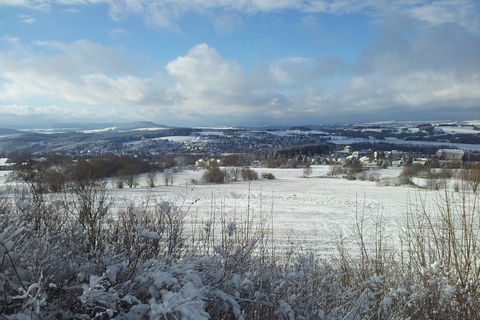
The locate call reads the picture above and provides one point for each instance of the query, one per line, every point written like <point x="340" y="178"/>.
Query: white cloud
<point x="210" y="86"/>
<point x="118" y="33"/>
<point x="226" y="23"/>
<point x="17" y="110"/>
<point x="41" y="5"/>
<point x="54" y="112"/>
<point x="436" y="67"/>
<point x="463" y="12"/>
<point x="79" y="72"/>
<point x="27" y="19"/>
<point x="419" y="88"/>
<point x="204" y="72"/>
<point x="165" y="13"/>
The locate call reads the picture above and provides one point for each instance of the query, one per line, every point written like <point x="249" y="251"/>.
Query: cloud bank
<point x="164" y="13"/>
<point x="425" y="62"/>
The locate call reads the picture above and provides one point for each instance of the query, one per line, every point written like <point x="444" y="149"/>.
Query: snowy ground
<point x="301" y="213"/>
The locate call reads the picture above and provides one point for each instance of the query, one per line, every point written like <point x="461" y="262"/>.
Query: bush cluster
<point x="214" y="174"/>
<point x="350" y="171"/>
<point x="437" y="177"/>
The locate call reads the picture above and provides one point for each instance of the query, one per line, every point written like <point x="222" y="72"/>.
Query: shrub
<point x="233" y="174"/>
<point x="249" y="174"/>
<point x="213" y="175"/>
<point x="335" y="170"/>
<point x="268" y="176"/>
<point x="441" y="243"/>
<point x="354" y="168"/>
<point x="307" y="170"/>
<point x="412" y="170"/>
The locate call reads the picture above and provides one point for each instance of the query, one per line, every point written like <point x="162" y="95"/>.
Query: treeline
<point x="292" y="156"/>
<point x="72" y="141"/>
<point x="56" y="174"/>
<point x="453" y="138"/>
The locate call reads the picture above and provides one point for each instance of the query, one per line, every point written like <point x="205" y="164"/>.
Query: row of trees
<point x="53" y="175"/>
<point x="437" y="178"/>
<point x="214" y="174"/>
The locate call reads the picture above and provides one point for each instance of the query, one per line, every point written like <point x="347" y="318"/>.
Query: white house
<point x="450" y="154"/>
<point x="4" y="163"/>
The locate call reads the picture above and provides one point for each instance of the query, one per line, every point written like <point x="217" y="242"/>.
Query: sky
<point x="238" y="62"/>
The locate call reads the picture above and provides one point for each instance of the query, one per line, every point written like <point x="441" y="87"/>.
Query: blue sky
<point x="238" y="62"/>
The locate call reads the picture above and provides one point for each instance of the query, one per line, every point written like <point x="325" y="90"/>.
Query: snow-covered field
<point x="307" y="213"/>
<point x="301" y="213"/>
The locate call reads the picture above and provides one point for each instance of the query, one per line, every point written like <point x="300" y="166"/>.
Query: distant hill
<point x="139" y="125"/>
<point x="4" y="131"/>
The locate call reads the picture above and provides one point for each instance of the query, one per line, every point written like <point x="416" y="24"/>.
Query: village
<point x="366" y="148"/>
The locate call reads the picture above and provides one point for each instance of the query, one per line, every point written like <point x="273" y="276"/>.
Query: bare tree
<point x="129" y="175"/>
<point x="249" y="174"/>
<point x="471" y="175"/>
<point x="84" y="175"/>
<point x="233" y="174"/>
<point x="307" y="170"/>
<point x="335" y="170"/>
<point x="168" y="178"/>
<point x="152" y="179"/>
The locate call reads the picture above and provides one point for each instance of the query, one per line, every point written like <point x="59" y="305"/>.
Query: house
<point x="201" y="163"/>
<point x="4" y="164"/>
<point x="205" y="164"/>
<point x="364" y="160"/>
<point x="450" y="154"/>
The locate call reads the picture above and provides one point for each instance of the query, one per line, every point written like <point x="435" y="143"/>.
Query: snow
<point x="308" y="213"/>
<point x="462" y="146"/>
<point x="3" y="177"/>
<point x="306" y="218"/>
<point x="8" y="135"/>
<point x="150" y="129"/>
<point x="301" y="213"/>
<point x="178" y="138"/>
<point x="459" y="129"/>
<point x="284" y="133"/>
<point x="98" y="130"/>
<point x="132" y="143"/>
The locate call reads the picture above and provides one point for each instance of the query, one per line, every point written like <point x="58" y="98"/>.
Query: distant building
<point x="364" y="160"/>
<point x="201" y="163"/>
<point x="205" y="164"/>
<point x="4" y="164"/>
<point x="450" y="154"/>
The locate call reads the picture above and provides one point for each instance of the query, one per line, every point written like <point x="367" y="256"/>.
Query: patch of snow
<point x="132" y="143"/>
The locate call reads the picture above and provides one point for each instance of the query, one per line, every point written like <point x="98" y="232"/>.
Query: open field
<point x="309" y="213"/>
<point x="301" y="213"/>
